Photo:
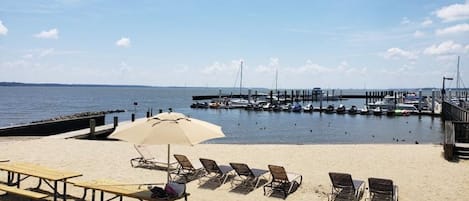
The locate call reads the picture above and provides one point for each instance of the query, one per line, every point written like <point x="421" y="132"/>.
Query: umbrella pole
<point x="168" y="162"/>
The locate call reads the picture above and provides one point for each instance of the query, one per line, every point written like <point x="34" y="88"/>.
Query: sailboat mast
<point x="457" y="77"/>
<point x="276" y="79"/>
<point x="241" y="79"/>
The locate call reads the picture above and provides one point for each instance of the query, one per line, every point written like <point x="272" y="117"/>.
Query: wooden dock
<point x="456" y="139"/>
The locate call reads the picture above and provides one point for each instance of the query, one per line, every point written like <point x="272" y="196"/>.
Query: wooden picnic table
<point x="43" y="173"/>
<point x="119" y="189"/>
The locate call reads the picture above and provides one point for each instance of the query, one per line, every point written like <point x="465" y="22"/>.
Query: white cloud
<point x="222" y="67"/>
<point x="41" y="52"/>
<point x="418" y="34"/>
<point x="454" y="12"/>
<point x="405" y="20"/>
<point x="273" y="61"/>
<point x="426" y="22"/>
<point x="453" y="29"/>
<point x="444" y="48"/>
<point x="3" y="29"/>
<point x="51" y="34"/>
<point x="123" y="42"/>
<point x="397" y="53"/>
<point x="273" y="64"/>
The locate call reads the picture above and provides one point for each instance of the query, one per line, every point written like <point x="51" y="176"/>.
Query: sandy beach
<point x="419" y="170"/>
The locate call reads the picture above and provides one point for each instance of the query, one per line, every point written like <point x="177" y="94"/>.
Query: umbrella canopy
<point x="168" y="128"/>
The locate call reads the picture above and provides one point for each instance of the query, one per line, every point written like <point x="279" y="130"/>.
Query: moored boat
<point x="330" y="109"/>
<point x="353" y="110"/>
<point x="340" y="109"/>
<point x="377" y="111"/>
<point x="364" y="110"/>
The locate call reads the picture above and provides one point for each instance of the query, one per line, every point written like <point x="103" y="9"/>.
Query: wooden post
<point x="366" y="98"/>
<point x="278" y="97"/>
<point x="320" y="100"/>
<point x="420" y="101"/>
<point x="271" y="97"/>
<point x="91" y="136"/>
<point x="327" y="96"/>
<point x="448" y="144"/>
<point x="291" y="98"/>
<point x="160" y="111"/>
<point x="133" y="117"/>
<point x="116" y="121"/>
<point x="433" y="101"/>
<point x="148" y="114"/>
<point x="303" y="96"/>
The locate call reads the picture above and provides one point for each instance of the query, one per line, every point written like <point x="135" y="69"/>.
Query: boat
<point x="308" y="108"/>
<point x="401" y="112"/>
<point x="392" y="103"/>
<point x="330" y="109"/>
<point x="203" y="105"/>
<point x="286" y="107"/>
<point x="364" y="110"/>
<point x="277" y="108"/>
<point x="341" y="109"/>
<point x="296" y="108"/>
<point x="353" y="110"/>
<point x="378" y="111"/>
<point x="267" y="107"/>
<point x="408" y="107"/>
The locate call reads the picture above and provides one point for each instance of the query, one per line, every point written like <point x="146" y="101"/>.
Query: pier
<point x="300" y="95"/>
<point x="456" y="139"/>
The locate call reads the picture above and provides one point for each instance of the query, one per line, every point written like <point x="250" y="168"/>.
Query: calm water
<point x="26" y="104"/>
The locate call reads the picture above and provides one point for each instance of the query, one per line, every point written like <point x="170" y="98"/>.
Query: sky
<point x="360" y="44"/>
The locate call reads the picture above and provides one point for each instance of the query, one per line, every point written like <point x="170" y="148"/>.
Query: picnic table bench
<point x="120" y="190"/>
<point x="45" y="174"/>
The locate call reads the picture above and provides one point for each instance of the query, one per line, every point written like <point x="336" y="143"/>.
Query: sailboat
<point x="239" y="102"/>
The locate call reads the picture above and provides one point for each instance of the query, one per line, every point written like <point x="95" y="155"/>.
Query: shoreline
<point x="420" y="170"/>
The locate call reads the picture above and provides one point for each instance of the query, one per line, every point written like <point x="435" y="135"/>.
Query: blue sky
<point x="329" y="44"/>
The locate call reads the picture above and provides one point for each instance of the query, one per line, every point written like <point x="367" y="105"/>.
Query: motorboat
<point x="267" y="107"/>
<point x="378" y="111"/>
<point x="296" y="108"/>
<point x="364" y="110"/>
<point x="203" y="105"/>
<point x="287" y="107"/>
<point x="330" y="109"/>
<point x="340" y="109"/>
<point x="353" y="110"/>
<point x="308" y="108"/>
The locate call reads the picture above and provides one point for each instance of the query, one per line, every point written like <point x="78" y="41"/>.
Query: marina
<point x="307" y="126"/>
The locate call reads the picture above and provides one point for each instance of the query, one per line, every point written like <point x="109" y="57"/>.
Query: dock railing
<point x="453" y="112"/>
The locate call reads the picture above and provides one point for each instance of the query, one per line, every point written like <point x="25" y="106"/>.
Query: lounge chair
<point x="382" y="189"/>
<point x="248" y="177"/>
<point x="186" y="169"/>
<point x="282" y="180"/>
<point x="345" y="188"/>
<point x="214" y="171"/>
<point x="147" y="160"/>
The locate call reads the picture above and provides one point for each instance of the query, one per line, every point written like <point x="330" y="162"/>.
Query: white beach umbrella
<point x="168" y="128"/>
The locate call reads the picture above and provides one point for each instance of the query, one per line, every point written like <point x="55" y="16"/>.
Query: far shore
<point x="420" y="170"/>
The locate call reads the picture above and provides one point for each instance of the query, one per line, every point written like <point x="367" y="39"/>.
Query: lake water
<point x="25" y="104"/>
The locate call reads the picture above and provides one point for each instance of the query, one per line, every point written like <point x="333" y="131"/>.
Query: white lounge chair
<point x="148" y="160"/>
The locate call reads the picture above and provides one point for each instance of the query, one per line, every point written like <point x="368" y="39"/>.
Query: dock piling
<point x="433" y="101"/>
<point x="91" y="136"/>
